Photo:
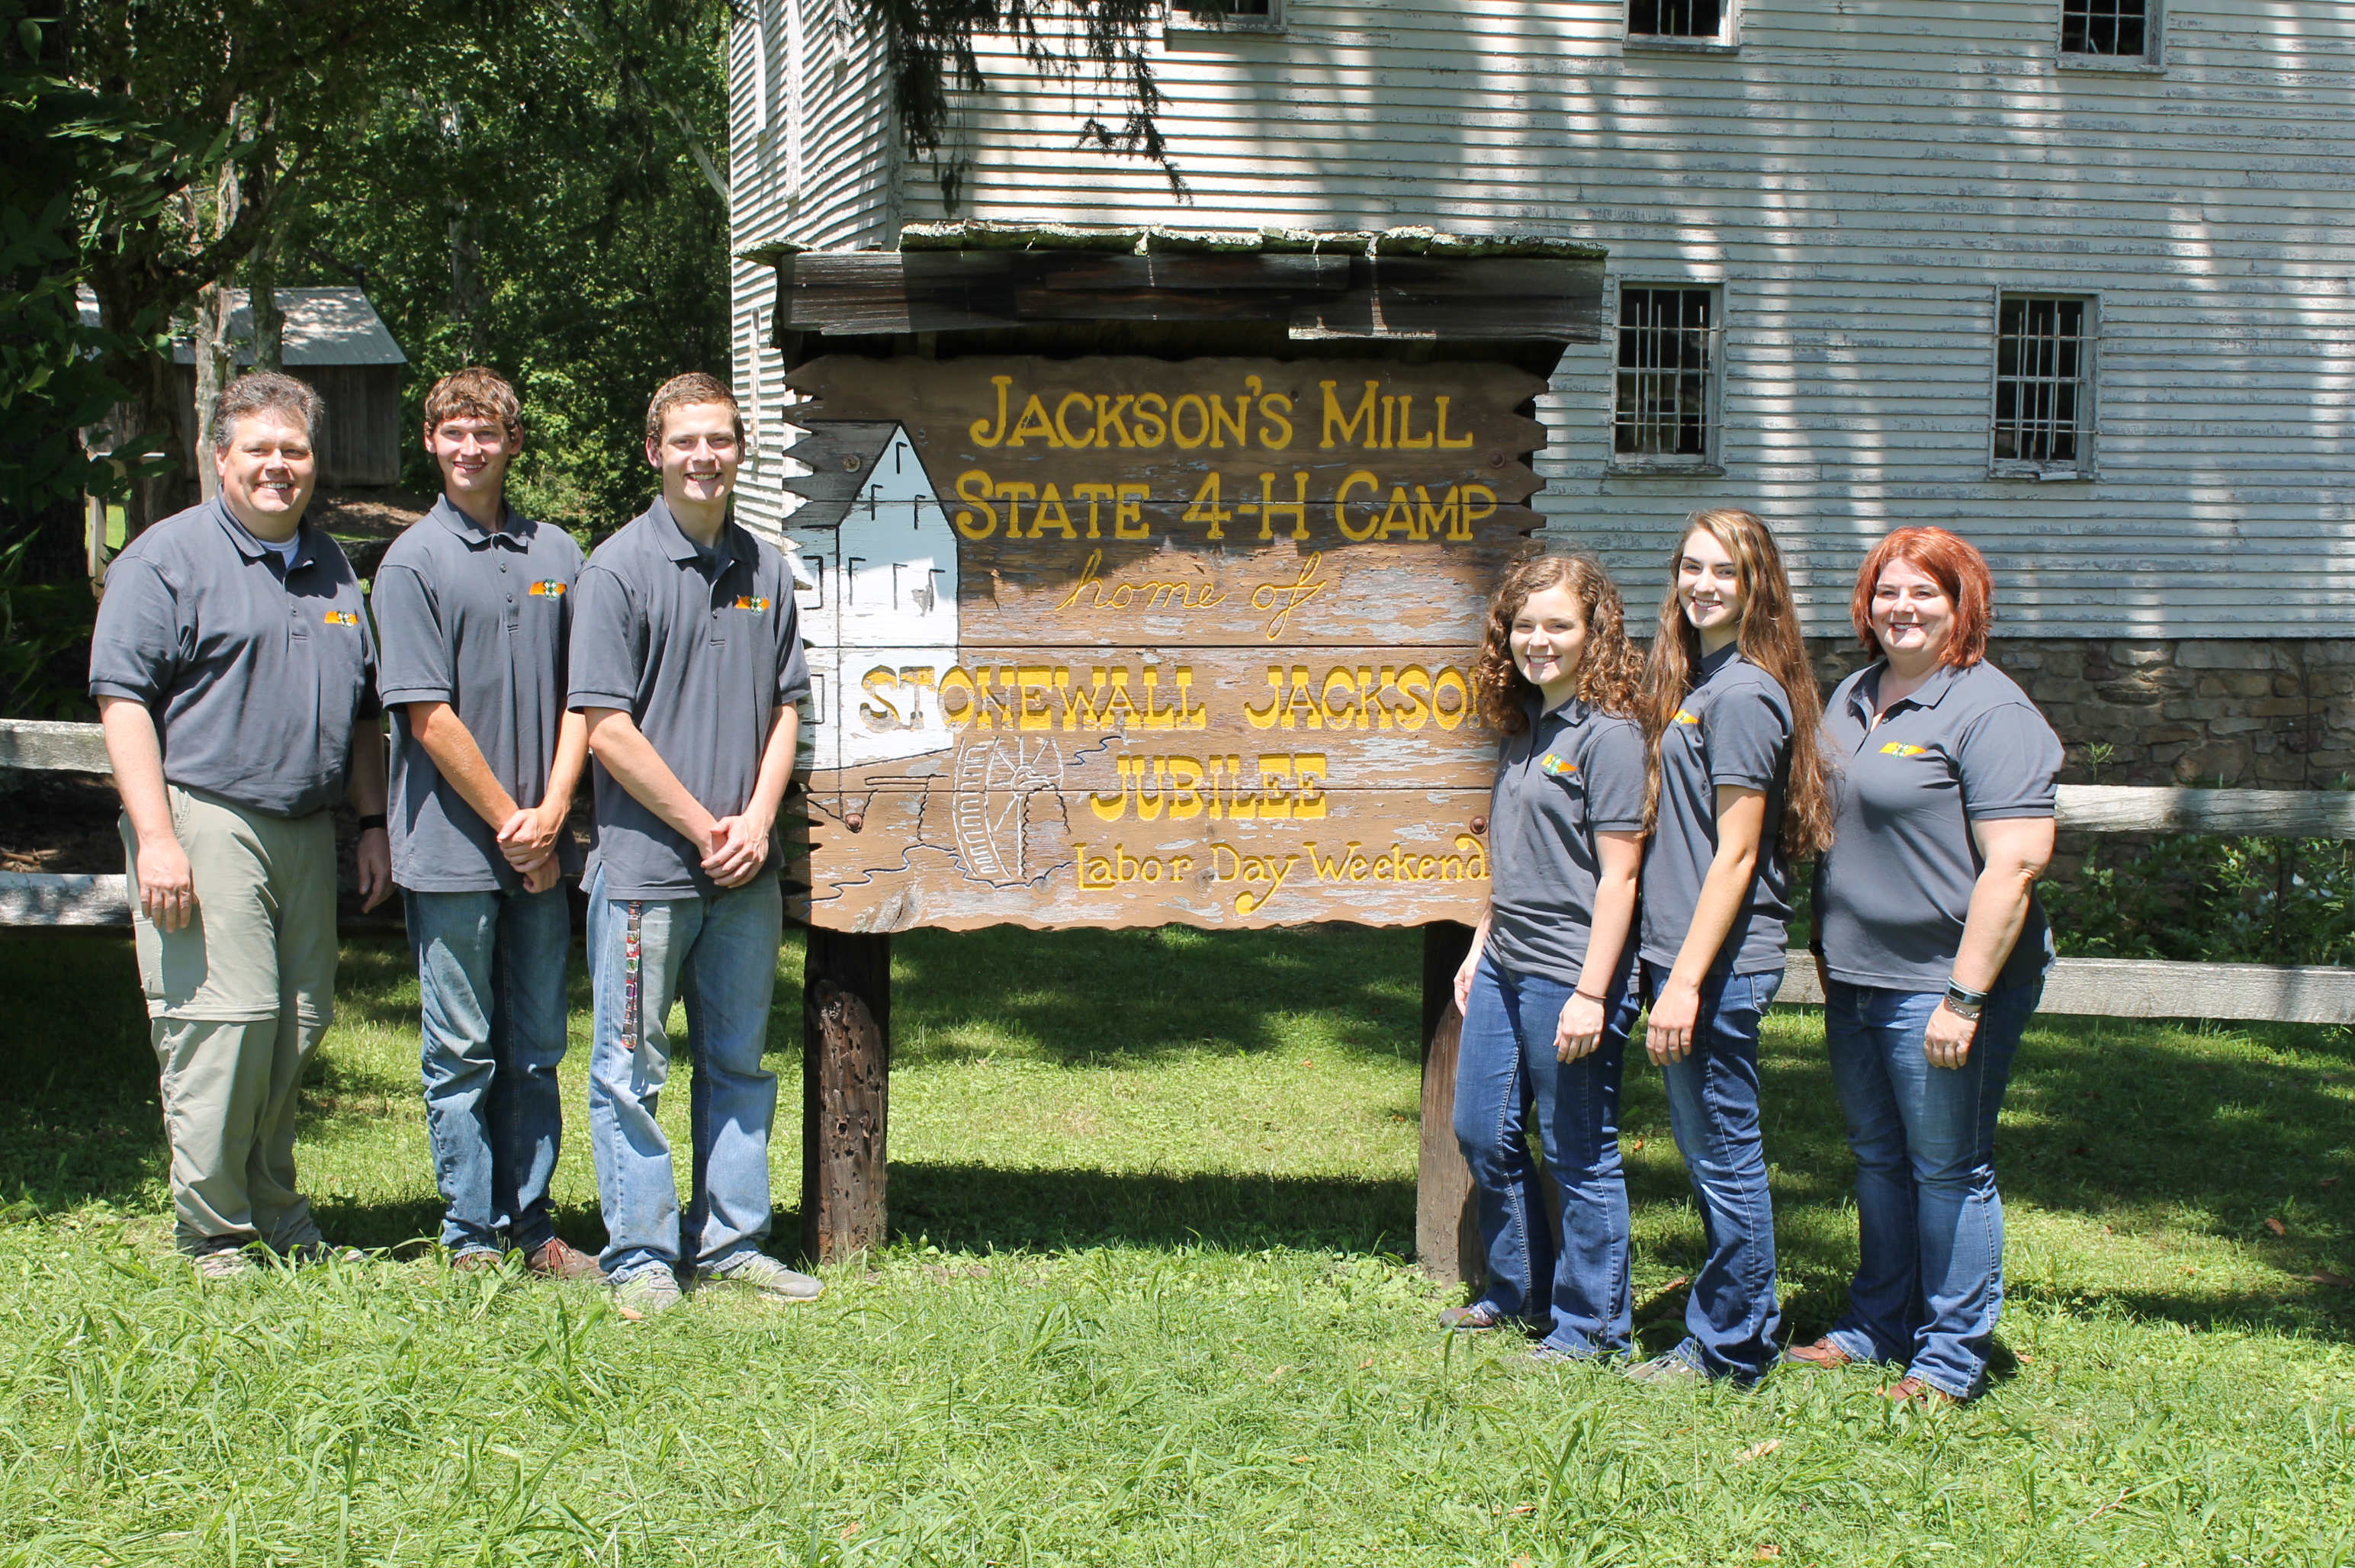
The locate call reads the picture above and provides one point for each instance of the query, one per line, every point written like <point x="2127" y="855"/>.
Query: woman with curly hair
<point x="1729" y="706"/>
<point x="1544" y="991"/>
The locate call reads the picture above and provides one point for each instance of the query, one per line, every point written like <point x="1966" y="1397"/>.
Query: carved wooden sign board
<point x="1121" y="642"/>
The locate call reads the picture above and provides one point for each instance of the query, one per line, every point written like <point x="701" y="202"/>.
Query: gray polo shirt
<point x="1732" y="727"/>
<point x="1573" y="773"/>
<point x="255" y="671"/>
<point x="701" y="649"/>
<point x="1892" y="892"/>
<point x="479" y="621"/>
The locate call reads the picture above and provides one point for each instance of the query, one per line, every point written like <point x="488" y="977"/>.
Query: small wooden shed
<point x="336" y="343"/>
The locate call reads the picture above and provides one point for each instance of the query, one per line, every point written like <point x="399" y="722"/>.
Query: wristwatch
<point x="371" y="819"/>
<point x="1963" y="1002"/>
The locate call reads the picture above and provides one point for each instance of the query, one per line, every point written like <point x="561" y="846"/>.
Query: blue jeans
<point x="490" y="968"/>
<point x="1929" y="1277"/>
<point x="719" y="956"/>
<point x="1731" y="1318"/>
<point x="1508" y="1085"/>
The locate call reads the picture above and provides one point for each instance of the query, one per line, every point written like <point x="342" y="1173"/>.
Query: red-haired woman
<point x="1730" y="705"/>
<point x="1933" y="952"/>
<point x="1544" y="992"/>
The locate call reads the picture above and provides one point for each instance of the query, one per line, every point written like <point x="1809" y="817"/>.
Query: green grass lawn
<point x="1147" y="1303"/>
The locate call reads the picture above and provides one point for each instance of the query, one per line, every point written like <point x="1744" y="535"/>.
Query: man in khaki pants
<point x="233" y="668"/>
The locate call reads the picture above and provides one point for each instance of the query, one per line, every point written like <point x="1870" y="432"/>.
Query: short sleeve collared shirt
<point x="477" y="619"/>
<point x="701" y="648"/>
<point x="1573" y="773"/>
<point x="1892" y="892"/>
<point x="256" y="670"/>
<point x="1732" y="727"/>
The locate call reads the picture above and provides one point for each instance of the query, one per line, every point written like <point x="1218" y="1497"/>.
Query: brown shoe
<point x="1913" y="1391"/>
<point x="1823" y="1355"/>
<point x="556" y="1259"/>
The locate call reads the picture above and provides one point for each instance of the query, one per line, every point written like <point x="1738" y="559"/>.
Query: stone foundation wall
<point x="2256" y="714"/>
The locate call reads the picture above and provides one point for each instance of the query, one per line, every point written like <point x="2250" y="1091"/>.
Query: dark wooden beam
<point x="1381" y="297"/>
<point x="845" y="1093"/>
<point x="1446" y="1236"/>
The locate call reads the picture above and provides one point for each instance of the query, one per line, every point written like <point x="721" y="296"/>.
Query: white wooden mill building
<point x="2075" y="277"/>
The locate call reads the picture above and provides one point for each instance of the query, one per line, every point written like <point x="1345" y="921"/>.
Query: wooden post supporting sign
<point x="845" y="1078"/>
<point x="1446" y="1238"/>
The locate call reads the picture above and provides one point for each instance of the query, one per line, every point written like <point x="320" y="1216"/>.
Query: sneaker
<point x="1473" y="1319"/>
<point x="218" y="1268"/>
<point x="1824" y="1356"/>
<point x="1555" y="1356"/>
<point x="1671" y="1371"/>
<point x="764" y="1274"/>
<point x="477" y="1260"/>
<point x="304" y="1253"/>
<point x="649" y="1291"/>
<point x="556" y="1258"/>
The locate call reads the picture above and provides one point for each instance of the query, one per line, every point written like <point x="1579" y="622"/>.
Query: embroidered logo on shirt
<point x="1686" y="716"/>
<point x="757" y="605"/>
<point x="342" y="618"/>
<point x="546" y="590"/>
<point x="1557" y="767"/>
<point x="1900" y="749"/>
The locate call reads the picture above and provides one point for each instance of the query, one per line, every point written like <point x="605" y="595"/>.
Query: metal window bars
<point x="1676" y="18"/>
<point x="1661" y="403"/>
<point x="2104" y="26"/>
<point x="2039" y="381"/>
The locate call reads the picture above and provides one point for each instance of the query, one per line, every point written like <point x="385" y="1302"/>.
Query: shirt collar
<point x="471" y="533"/>
<point x="1713" y="662"/>
<point x="254" y="549"/>
<point x="1865" y="701"/>
<point x="675" y="543"/>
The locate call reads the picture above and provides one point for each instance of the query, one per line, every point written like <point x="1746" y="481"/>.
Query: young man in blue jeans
<point x="686" y="661"/>
<point x="471" y="606"/>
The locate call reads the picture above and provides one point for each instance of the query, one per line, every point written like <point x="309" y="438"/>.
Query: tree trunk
<point x="269" y="321"/>
<point x="216" y="369"/>
<point x="215" y="346"/>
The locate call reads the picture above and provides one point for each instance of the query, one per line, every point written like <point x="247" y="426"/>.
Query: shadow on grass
<point x="2144" y="1125"/>
<point x="987" y="1207"/>
<point x="1141" y="997"/>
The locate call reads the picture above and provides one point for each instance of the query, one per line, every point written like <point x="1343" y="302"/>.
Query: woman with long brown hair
<point x="1544" y="993"/>
<point x="1728" y="705"/>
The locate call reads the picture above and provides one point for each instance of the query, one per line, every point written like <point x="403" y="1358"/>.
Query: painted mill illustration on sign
<point x="1131" y="642"/>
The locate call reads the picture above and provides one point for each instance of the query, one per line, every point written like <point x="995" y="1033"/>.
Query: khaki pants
<point x="238" y="1001"/>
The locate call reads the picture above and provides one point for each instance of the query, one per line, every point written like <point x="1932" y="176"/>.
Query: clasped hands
<point x="529" y="841"/>
<point x="737" y="849"/>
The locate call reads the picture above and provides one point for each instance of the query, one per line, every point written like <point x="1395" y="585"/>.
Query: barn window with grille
<point x="1681" y="21"/>
<point x="1664" y="401"/>
<point x="2043" y="385"/>
<point x="2102" y="31"/>
<point x="1228" y="16"/>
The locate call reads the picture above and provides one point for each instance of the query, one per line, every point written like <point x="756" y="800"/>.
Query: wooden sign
<point x="1128" y="642"/>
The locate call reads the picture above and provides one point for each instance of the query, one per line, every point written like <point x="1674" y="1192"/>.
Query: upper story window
<point x="1665" y="392"/>
<point x="2109" y="31"/>
<point x="1681" y="21"/>
<point x="1228" y="16"/>
<point x="2043" y="387"/>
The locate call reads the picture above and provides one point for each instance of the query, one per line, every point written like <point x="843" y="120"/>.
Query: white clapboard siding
<point x="1860" y="179"/>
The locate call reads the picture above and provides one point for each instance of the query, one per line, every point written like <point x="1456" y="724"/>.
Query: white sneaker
<point x="762" y="1273"/>
<point x="218" y="1268"/>
<point x="649" y="1291"/>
